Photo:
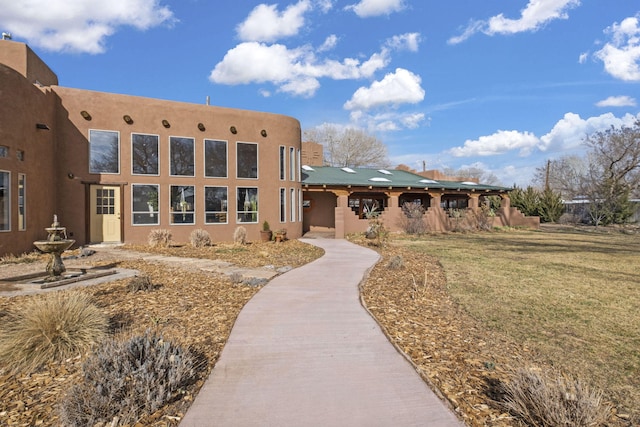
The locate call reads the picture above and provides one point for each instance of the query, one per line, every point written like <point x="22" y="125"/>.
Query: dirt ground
<point x="450" y="350"/>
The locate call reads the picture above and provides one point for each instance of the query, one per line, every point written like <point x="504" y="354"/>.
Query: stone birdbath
<point x="55" y="245"/>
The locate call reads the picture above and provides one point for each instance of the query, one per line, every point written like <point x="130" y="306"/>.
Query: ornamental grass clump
<point x="50" y="327"/>
<point x="125" y="380"/>
<point x="200" y="238"/>
<point x="553" y="401"/>
<point x="159" y="237"/>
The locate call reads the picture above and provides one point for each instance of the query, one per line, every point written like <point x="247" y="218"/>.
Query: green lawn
<point x="574" y="297"/>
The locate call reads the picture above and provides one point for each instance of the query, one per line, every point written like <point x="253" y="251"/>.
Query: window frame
<point x="255" y="144"/>
<point x="253" y="213"/>
<point x="155" y="213"/>
<point x="225" y="204"/>
<point x="22" y="201"/>
<point x="226" y="157"/>
<point x="133" y="172"/>
<point x="6" y="202"/>
<point x="292" y="164"/>
<point x="292" y="206"/>
<point x="283" y="205"/>
<point x="91" y="170"/>
<point x="178" y="211"/>
<point x="193" y="156"/>
<point x="282" y="152"/>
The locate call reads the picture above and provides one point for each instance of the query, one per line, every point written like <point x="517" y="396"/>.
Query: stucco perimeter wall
<point x="107" y="111"/>
<point x="31" y="154"/>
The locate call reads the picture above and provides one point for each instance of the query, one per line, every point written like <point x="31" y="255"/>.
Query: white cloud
<point x="387" y="121"/>
<point x="400" y="87"/>
<point x="266" y="24"/>
<point x="369" y="8"/>
<point x="583" y="58"/>
<point x="79" y="26"/>
<point x="329" y="43"/>
<point x="295" y="71"/>
<point x="621" y="56"/>
<point x="498" y="143"/>
<point x="617" y="101"/>
<point x="571" y="130"/>
<point x="534" y="16"/>
<point x="407" y="41"/>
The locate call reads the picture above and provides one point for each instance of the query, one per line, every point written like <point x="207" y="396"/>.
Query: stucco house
<point x="113" y="167"/>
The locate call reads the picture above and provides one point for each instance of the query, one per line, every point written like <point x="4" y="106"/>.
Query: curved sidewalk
<point x="304" y="352"/>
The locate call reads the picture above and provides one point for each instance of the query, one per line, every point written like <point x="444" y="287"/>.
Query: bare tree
<point x="348" y="147"/>
<point x="483" y="176"/>
<point x="563" y="175"/>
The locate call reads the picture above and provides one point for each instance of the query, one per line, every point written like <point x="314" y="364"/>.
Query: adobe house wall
<point x="107" y="111"/>
<point x="31" y="151"/>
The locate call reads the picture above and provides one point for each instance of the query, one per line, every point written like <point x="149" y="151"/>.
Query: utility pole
<point x="546" y="179"/>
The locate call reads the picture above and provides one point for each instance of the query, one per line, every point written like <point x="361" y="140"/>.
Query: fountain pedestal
<point x="55" y="245"/>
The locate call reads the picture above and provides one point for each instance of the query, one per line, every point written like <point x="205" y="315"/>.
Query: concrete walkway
<point x="304" y="352"/>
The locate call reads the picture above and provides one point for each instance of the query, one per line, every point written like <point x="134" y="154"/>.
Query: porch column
<point x="474" y="201"/>
<point x="436" y="198"/>
<point x="341" y="207"/>
<point x="505" y="201"/>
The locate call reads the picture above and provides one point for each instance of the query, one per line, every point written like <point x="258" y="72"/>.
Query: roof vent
<point x="348" y="170"/>
<point x="307" y="168"/>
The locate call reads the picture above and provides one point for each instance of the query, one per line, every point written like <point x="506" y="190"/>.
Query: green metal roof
<point x="383" y="178"/>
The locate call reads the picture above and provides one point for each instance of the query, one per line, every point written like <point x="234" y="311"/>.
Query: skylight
<point x="348" y="170"/>
<point x="384" y="172"/>
<point x="428" y="181"/>
<point x="379" y="179"/>
<point x="468" y="183"/>
<point x="307" y="168"/>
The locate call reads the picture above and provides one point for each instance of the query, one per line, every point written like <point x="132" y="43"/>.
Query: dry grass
<point x="50" y="327"/>
<point x="570" y="297"/>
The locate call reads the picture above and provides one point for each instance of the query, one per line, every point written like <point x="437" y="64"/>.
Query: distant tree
<point x="483" y="176"/>
<point x="550" y="208"/>
<point x="563" y="175"/>
<point x="527" y="201"/>
<point x="348" y="147"/>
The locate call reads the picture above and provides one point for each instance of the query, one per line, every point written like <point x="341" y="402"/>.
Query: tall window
<point x="283" y="162"/>
<point x="247" y="160"/>
<point x="299" y="205"/>
<point x="247" y="204"/>
<point x="104" y="151"/>
<point x="215" y="205"/>
<point x="22" y="218"/>
<point x="144" y="154"/>
<point x="144" y="199"/>
<point x="182" y="204"/>
<point x="293" y="205"/>
<point x="283" y="205"/>
<point x="298" y="169"/>
<point x="5" y="201"/>
<point x="181" y="153"/>
<point x="215" y="158"/>
<point x="4" y="151"/>
<point x="292" y="164"/>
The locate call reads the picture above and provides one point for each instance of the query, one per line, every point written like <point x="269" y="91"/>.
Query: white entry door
<point x="105" y="213"/>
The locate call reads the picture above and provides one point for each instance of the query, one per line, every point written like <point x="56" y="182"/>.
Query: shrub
<point x="412" y="221"/>
<point x="140" y="283"/>
<point x="544" y="401"/>
<point x="240" y="235"/>
<point x="395" y="263"/>
<point x="50" y="327"/>
<point x="159" y="237"/>
<point x="199" y="238"/>
<point x="128" y="380"/>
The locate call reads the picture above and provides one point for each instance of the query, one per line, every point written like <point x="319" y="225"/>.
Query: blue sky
<point x="500" y="85"/>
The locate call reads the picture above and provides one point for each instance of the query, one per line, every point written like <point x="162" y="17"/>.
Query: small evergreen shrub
<point x="240" y="235"/>
<point x="128" y="380"/>
<point x="543" y="401"/>
<point x="140" y="283"/>
<point x="50" y="327"/>
<point x="395" y="263"/>
<point x="159" y="238"/>
<point x="199" y="238"/>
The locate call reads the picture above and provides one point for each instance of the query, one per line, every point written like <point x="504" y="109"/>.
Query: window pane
<point x="215" y="205"/>
<point x="247" y="160"/>
<point x="182" y="204"/>
<point x="182" y="156"/>
<point x="104" y="151"/>
<point x="283" y="205"/>
<point x="22" y="218"/>
<point x="5" y="199"/>
<point x="292" y="164"/>
<point x="247" y="204"/>
<point x="215" y="158"/>
<point x="283" y="162"/>
<point x="293" y="205"/>
<point x="145" y="204"/>
<point x="145" y="154"/>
